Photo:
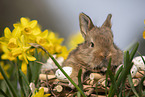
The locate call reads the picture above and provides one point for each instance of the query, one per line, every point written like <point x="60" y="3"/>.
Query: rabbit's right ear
<point x="85" y="24"/>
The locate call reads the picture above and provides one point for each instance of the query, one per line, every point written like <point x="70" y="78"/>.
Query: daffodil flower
<point x="7" y="53"/>
<point x="21" y="51"/>
<point x="28" y="28"/>
<point x="11" y="38"/>
<point x="42" y="38"/>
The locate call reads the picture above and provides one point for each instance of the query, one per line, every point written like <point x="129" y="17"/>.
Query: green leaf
<point x="79" y="79"/>
<point x="141" y="86"/>
<point x="96" y="88"/>
<point x="118" y="72"/>
<point x="3" y="93"/>
<point x="133" y="51"/>
<point x="141" y="57"/>
<point x="131" y="84"/>
<point x="113" y="82"/>
<point x="19" y="63"/>
<point x="78" y="94"/>
<point x="24" y="77"/>
<point x="29" y="72"/>
<point x="107" y="73"/>
<point x="8" y="82"/>
<point x="36" y="67"/>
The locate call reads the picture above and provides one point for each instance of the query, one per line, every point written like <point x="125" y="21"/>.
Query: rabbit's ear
<point x="85" y="24"/>
<point x="107" y="22"/>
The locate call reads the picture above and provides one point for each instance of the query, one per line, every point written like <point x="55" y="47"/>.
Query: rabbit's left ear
<point x="85" y="24"/>
<point x="107" y="22"/>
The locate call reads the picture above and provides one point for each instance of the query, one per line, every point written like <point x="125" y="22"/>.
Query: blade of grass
<point x="132" y="85"/>
<point x="3" y="93"/>
<point x="57" y="64"/>
<point x="79" y="79"/>
<point x="141" y="57"/>
<point x="140" y="86"/>
<point x="133" y="51"/>
<point x="126" y="63"/>
<point x="107" y="73"/>
<point x="126" y="58"/>
<point x="113" y="82"/>
<point x="29" y="73"/>
<point x="8" y="82"/>
<point x="78" y="94"/>
<point x="24" y="77"/>
<point x="128" y="93"/>
<point x="96" y="89"/>
<point x="37" y="66"/>
<point x="118" y="72"/>
<point x="19" y="63"/>
<point x="116" y="76"/>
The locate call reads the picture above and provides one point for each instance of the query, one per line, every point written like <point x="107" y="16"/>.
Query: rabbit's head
<point x="98" y="47"/>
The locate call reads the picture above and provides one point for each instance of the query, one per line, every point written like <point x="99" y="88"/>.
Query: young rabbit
<point x="97" y="49"/>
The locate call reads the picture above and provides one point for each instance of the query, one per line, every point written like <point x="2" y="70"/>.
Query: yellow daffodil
<point x="21" y="51"/>
<point x="7" y="53"/>
<point x="5" y="67"/>
<point x="42" y="38"/>
<point x="40" y="93"/>
<point x="54" y="43"/>
<point x="78" y="39"/>
<point x="10" y="38"/>
<point x="28" y="28"/>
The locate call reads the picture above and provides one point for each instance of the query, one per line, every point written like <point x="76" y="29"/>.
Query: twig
<point x="44" y="76"/>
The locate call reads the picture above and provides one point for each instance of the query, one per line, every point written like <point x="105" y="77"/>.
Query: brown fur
<point x="103" y="47"/>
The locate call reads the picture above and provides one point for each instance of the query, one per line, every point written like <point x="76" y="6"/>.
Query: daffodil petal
<point x="24" y="21"/>
<point x="22" y="39"/>
<point x="16" y="52"/>
<point x="25" y="58"/>
<point x="44" y="34"/>
<point x="46" y="95"/>
<point x="16" y="25"/>
<point x="24" y="67"/>
<point x="33" y="23"/>
<point x="4" y="56"/>
<point x="30" y="58"/>
<point x="16" y="32"/>
<point x="7" y="32"/>
<point x="36" y="31"/>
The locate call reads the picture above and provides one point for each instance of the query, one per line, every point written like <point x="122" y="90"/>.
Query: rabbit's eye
<point x="92" y="44"/>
